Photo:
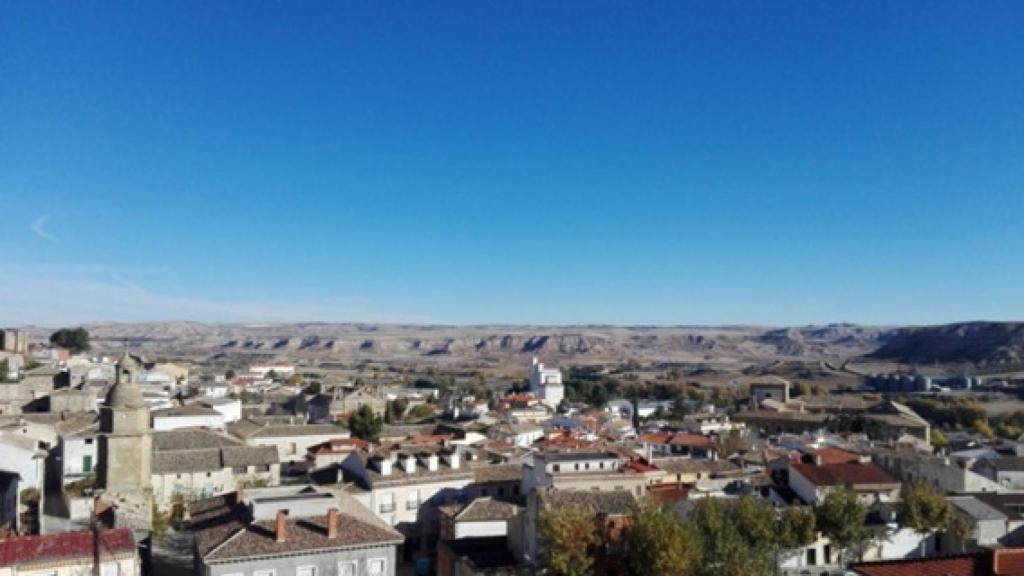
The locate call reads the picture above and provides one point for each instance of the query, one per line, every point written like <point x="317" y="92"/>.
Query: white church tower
<point x="546" y="383"/>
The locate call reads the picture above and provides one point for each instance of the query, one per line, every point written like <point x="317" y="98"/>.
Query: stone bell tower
<point x="126" y="450"/>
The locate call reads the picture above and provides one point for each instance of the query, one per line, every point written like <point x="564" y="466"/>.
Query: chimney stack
<point x="281" y="526"/>
<point x="332" y="523"/>
<point x="240" y="494"/>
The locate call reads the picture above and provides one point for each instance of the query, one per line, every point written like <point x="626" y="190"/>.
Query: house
<point x="480" y="518"/>
<point x="76" y="450"/>
<point x="992" y="520"/>
<point x="229" y="408"/>
<point x="333" y="452"/>
<point x="782" y="421"/>
<point x="188" y="416"/>
<point x="521" y="434"/>
<point x="346" y="401"/>
<point x="291" y="439"/>
<point x="595" y="471"/>
<point x="191" y="463"/>
<point x="107" y="553"/>
<point x="812" y="482"/>
<point x="1007" y="471"/>
<point x="214" y="389"/>
<point x="280" y="369"/>
<point x="679" y="444"/>
<point x="23" y="456"/>
<point x="768" y="388"/>
<point x="694" y="470"/>
<point x="233" y="535"/>
<point x="706" y="423"/>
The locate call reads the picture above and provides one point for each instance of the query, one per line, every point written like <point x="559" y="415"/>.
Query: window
<point x="557" y="468"/>
<point x="86" y="463"/>
<point x="387" y="503"/>
<point x="207" y="474"/>
<point x="238" y="469"/>
<point x="412" y="500"/>
<point x="483" y="492"/>
<point x="812" y="557"/>
<point x="263" y="468"/>
<point x="375" y="566"/>
<point x="346" y="569"/>
<point x="305" y="571"/>
<point x="292" y="448"/>
<point x="88" y="440"/>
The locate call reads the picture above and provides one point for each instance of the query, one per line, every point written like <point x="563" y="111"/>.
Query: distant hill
<point x="471" y="345"/>
<point x="981" y="343"/>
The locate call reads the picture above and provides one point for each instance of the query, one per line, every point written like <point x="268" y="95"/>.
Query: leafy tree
<point x="731" y="443"/>
<point x="795" y="527"/>
<point x="272" y="374"/>
<point x="229" y="374"/>
<point x="842" y="518"/>
<point x="924" y="508"/>
<point x="939" y="439"/>
<point x="161" y="522"/>
<point x="568" y="535"/>
<point x="658" y="542"/>
<point x="75" y="340"/>
<point x="294" y="380"/>
<point x="420" y="411"/>
<point x="982" y="427"/>
<point x="363" y="423"/>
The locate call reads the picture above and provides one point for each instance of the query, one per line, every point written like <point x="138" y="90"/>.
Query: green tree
<point x="924" y="508"/>
<point x="294" y="380"/>
<point x="420" y="411"/>
<point x="730" y="444"/>
<point x="272" y="375"/>
<point x="842" y="518"/>
<point x="568" y="535"/>
<point x="75" y="340"/>
<point x="939" y="439"/>
<point x="658" y="542"/>
<point x="229" y="374"/>
<point x="363" y="423"/>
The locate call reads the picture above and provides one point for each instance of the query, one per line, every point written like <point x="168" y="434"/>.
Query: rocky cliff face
<point x="580" y="344"/>
<point x="982" y="343"/>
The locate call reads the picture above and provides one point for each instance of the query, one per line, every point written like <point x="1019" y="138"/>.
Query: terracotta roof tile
<point x="38" y="549"/>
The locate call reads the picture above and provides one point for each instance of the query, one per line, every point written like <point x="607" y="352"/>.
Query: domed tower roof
<point x="125" y="395"/>
<point x="127" y="361"/>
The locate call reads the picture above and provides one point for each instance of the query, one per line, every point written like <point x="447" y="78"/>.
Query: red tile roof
<point x="1006" y="562"/>
<point x="680" y="439"/>
<point x="22" y="550"/>
<point x="849" y="473"/>
<point x="831" y="455"/>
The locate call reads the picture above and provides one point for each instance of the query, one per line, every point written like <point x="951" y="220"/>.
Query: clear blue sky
<point x="515" y="162"/>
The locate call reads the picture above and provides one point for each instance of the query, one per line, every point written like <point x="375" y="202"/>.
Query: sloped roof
<point x="848" y="473"/>
<point x="613" y="502"/>
<point x="50" y="548"/>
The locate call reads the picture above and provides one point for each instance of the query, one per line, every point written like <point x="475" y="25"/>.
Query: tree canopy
<point x="656" y="542"/>
<point x="924" y="508"/>
<point x="842" y="518"/>
<point x="363" y="423"/>
<point x="568" y="534"/>
<point x="75" y="340"/>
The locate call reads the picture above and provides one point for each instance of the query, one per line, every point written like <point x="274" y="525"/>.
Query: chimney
<point x="332" y="523"/>
<point x="240" y="494"/>
<point x="410" y="464"/>
<point x="453" y="460"/>
<point x="281" y="526"/>
<point x="432" y="462"/>
<point x="385" y="466"/>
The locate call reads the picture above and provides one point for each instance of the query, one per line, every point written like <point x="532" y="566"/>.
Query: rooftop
<point x="60" y="548"/>
<point x="849" y="473"/>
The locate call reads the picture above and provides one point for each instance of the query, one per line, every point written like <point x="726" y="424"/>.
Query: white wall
<point x="164" y="423"/>
<point x="481" y="529"/>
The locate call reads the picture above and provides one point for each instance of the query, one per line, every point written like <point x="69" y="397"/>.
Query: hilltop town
<point x="273" y="464"/>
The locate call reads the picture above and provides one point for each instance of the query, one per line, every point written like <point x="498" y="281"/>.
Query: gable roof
<point x="848" y="473"/>
<point x="612" y="502"/>
<point x="1003" y="562"/>
<point x="51" y="548"/>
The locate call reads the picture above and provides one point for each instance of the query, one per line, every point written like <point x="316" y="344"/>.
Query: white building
<point x="280" y="369"/>
<point x="190" y="416"/>
<point x="22" y="455"/>
<point x="230" y="408"/>
<point x="546" y="383"/>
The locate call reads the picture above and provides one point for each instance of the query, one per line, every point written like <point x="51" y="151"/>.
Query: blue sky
<point x="512" y="162"/>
